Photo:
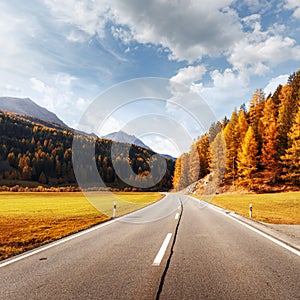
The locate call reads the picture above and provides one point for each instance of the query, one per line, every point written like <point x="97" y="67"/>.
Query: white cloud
<point x="295" y="6"/>
<point x="189" y="29"/>
<point x="228" y="89"/>
<point x="274" y="82"/>
<point x="112" y="124"/>
<point x="122" y="34"/>
<point x="87" y="16"/>
<point x="56" y="94"/>
<point x="161" y="144"/>
<point x="189" y="74"/>
<point x="259" y="51"/>
<point x="251" y="20"/>
<point x="77" y="36"/>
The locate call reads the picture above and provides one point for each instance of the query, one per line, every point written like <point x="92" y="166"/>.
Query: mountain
<point x="33" y="153"/>
<point x="25" y="106"/>
<point x="124" y="137"/>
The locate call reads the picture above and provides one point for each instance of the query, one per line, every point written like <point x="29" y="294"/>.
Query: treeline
<point x="261" y="141"/>
<point x="32" y="152"/>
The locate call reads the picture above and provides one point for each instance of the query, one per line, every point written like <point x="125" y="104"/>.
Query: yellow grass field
<point x="28" y="220"/>
<point x="279" y="208"/>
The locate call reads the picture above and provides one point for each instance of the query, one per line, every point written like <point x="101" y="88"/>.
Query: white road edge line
<point x="274" y="240"/>
<point x="53" y="244"/>
<point x="64" y="239"/>
<point x="162" y="250"/>
<point x="176" y="216"/>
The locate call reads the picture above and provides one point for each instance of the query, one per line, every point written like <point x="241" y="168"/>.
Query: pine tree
<point x="247" y="157"/>
<point x="291" y="160"/>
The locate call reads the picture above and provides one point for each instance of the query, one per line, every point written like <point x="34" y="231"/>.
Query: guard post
<point x="250" y="210"/>
<point x="115" y="209"/>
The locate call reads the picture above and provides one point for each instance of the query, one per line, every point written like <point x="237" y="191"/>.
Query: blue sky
<point x="63" y="54"/>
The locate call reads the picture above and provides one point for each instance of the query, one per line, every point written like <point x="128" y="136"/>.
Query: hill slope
<point x="32" y="153"/>
<point x="26" y="106"/>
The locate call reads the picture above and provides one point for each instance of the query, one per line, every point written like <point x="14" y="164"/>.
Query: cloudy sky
<point x="63" y="54"/>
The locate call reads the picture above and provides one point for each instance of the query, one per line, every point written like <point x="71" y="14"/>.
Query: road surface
<point x="173" y="249"/>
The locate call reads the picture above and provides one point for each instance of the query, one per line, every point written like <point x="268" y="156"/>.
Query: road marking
<point x="66" y="239"/>
<point x="274" y="240"/>
<point x="176" y="216"/>
<point x="162" y="250"/>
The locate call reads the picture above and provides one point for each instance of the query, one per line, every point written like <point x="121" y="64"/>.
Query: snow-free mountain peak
<point x="26" y="106"/>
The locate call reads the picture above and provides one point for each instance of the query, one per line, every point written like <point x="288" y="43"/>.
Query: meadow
<point x="28" y="220"/>
<point x="276" y="208"/>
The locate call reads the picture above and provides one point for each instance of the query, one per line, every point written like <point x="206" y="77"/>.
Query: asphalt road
<point x="209" y="256"/>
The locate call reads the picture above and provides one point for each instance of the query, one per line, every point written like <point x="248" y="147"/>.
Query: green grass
<point x="278" y="208"/>
<point x="28" y="220"/>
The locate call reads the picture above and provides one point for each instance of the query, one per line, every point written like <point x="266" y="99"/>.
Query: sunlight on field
<point x="281" y="208"/>
<point x="28" y="220"/>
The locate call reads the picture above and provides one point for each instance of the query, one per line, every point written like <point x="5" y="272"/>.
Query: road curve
<point x="157" y="253"/>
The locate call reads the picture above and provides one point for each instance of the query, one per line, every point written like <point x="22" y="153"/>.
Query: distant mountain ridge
<point x="124" y="137"/>
<point x="25" y="106"/>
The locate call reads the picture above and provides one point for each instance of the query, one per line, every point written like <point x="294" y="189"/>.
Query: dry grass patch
<point x="28" y="220"/>
<point x="279" y="208"/>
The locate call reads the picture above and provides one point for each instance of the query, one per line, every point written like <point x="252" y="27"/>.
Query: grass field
<point x="281" y="208"/>
<point x="28" y="220"/>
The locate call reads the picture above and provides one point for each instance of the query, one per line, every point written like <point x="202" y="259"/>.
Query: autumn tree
<point x="291" y="160"/>
<point x="287" y="109"/>
<point x="203" y="146"/>
<point x="231" y="138"/>
<point x="194" y="163"/>
<point x="247" y="157"/>
<point x="269" y="137"/>
<point x="218" y="157"/>
<point x="177" y="174"/>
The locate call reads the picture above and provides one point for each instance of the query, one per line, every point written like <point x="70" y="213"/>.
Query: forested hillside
<point x="31" y="153"/>
<point x="262" y="144"/>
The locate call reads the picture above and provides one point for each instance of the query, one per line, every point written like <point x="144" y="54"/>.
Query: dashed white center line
<point x="176" y="216"/>
<point x="162" y="250"/>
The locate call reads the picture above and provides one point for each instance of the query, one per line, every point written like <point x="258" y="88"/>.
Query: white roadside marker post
<point x="115" y="209"/>
<point x="250" y="210"/>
